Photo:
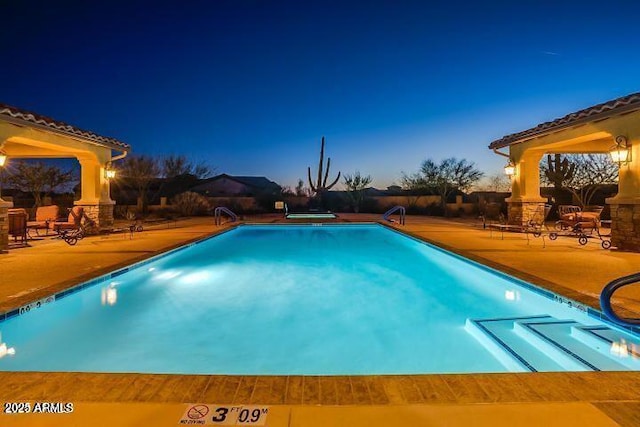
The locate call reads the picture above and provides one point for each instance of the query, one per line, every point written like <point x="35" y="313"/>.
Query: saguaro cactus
<point x="321" y="185"/>
<point x="559" y="171"/>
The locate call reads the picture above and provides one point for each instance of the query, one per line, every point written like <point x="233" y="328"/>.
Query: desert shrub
<point x="123" y="212"/>
<point x="190" y="203"/>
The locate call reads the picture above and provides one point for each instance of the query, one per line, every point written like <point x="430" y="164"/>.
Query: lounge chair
<point x="570" y="216"/>
<point x="534" y="225"/>
<point x="45" y="217"/>
<point x="73" y="221"/>
<point x="581" y="224"/>
<point x="71" y="230"/>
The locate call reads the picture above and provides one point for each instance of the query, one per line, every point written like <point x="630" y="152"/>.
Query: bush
<point x="123" y="212"/>
<point x="190" y="203"/>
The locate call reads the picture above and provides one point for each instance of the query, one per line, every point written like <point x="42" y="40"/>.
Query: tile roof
<point x="606" y="109"/>
<point x="32" y="118"/>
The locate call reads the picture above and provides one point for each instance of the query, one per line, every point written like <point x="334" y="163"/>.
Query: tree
<point x="38" y="179"/>
<point x="498" y="182"/>
<point x="448" y="176"/>
<point x="414" y="187"/>
<point x="139" y="172"/>
<point x="173" y="166"/>
<point x="355" y="185"/>
<point x="587" y="173"/>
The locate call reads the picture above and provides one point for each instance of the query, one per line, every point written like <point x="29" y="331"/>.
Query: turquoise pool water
<point x="289" y="299"/>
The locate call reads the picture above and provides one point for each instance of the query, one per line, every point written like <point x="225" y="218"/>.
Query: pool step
<point x="544" y="343"/>
<point x="622" y="346"/>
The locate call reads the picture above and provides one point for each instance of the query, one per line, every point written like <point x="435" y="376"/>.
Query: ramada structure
<point x="612" y="127"/>
<point x="26" y="135"/>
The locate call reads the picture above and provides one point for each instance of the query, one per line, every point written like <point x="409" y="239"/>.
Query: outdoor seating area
<point x="45" y="217"/>
<point x="47" y="223"/>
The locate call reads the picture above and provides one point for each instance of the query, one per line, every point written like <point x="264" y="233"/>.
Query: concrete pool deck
<point x="50" y="265"/>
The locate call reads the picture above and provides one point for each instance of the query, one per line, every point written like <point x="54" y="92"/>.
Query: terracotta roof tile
<point x="27" y="116"/>
<point x="606" y="109"/>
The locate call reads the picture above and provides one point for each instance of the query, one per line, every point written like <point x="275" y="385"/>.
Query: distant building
<point x="224" y="185"/>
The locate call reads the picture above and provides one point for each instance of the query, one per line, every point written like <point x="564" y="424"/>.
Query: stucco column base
<point x="100" y="214"/>
<point x="4" y="224"/>
<point x="519" y="212"/>
<point x="625" y="226"/>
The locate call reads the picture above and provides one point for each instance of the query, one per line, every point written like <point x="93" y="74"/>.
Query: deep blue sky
<point x="251" y="86"/>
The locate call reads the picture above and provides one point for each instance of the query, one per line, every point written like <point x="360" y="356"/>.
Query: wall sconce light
<point x="510" y="169"/>
<point x="109" y="172"/>
<point x="3" y="158"/>
<point x="621" y="152"/>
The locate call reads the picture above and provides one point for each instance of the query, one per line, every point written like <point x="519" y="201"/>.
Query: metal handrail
<point x="217" y="214"/>
<point x="399" y="208"/>
<point x="607" y="293"/>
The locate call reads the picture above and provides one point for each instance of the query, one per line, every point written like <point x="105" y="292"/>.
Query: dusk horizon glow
<point x="250" y="87"/>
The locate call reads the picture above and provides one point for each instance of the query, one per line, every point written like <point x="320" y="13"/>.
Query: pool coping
<point x="322" y="390"/>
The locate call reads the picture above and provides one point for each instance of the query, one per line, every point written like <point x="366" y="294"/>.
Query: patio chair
<point x="17" y="222"/>
<point x="45" y="217"/>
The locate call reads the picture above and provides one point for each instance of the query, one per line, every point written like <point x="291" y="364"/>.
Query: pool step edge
<point x="625" y="349"/>
<point x="500" y="350"/>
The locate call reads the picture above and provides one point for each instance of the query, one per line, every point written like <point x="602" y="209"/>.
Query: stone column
<point x="625" y="226"/>
<point x="100" y="216"/>
<point x="525" y="197"/>
<point x="4" y="224"/>
<point x="95" y="199"/>
<point x="625" y="206"/>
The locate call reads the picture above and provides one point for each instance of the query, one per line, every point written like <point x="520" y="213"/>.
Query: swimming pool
<point x="303" y="299"/>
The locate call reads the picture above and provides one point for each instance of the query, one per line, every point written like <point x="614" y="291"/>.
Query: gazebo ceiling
<point x="605" y="110"/>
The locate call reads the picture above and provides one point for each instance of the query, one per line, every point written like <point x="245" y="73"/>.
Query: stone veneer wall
<point x="101" y="217"/>
<point x="625" y="227"/>
<point x="519" y="213"/>
<point x="4" y="225"/>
